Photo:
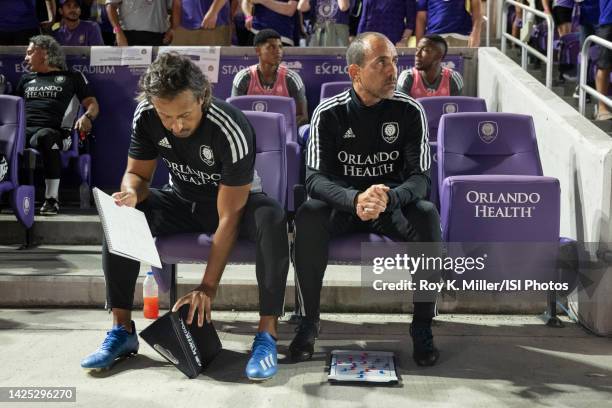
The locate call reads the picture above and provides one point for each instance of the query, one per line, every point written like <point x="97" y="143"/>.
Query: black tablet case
<point x="188" y="347"/>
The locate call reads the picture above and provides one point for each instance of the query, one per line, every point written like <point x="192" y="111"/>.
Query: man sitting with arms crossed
<point x="428" y="77"/>
<point x="269" y="77"/>
<point x="367" y="169"/>
<point x="209" y="148"/>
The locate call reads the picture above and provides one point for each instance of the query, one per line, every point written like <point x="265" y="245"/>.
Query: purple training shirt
<point x="446" y="17"/>
<point x="193" y="12"/>
<point x="263" y="17"/>
<point x="328" y="10"/>
<point x="389" y="17"/>
<point x="18" y="15"/>
<point x="87" y="33"/>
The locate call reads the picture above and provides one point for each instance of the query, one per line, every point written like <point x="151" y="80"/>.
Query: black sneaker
<point x="302" y="346"/>
<point x="425" y="352"/>
<point x="49" y="207"/>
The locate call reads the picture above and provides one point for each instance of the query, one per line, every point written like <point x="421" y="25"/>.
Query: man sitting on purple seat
<point x="48" y="91"/>
<point x="74" y="31"/>
<point x="269" y="77"/>
<point x="209" y="148"/>
<point x="367" y="170"/>
<point x="428" y="77"/>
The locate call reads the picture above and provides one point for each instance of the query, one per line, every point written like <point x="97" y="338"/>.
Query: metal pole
<point x="584" y="60"/>
<point x="549" y="51"/>
<point x="548" y="59"/>
<point x="488" y="26"/>
<point x="504" y="26"/>
<point x="584" y="88"/>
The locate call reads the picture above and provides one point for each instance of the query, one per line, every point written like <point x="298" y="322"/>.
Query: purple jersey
<point x="389" y="17"/>
<point x="17" y="15"/>
<point x="87" y="33"/>
<point x="263" y="17"/>
<point x="328" y="10"/>
<point x="589" y="12"/>
<point x="193" y="12"/>
<point x="446" y="17"/>
<point x="605" y="12"/>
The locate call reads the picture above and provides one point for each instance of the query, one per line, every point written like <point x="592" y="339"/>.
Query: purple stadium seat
<point x="435" y="107"/>
<point x="347" y="249"/>
<point x="569" y="48"/>
<point x="539" y="37"/>
<point x="329" y="89"/>
<point x="492" y="191"/>
<point x="270" y="163"/>
<point x="12" y="141"/>
<point x="267" y="103"/>
<point x="286" y="107"/>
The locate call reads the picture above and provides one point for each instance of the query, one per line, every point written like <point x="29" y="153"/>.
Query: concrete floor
<point x="486" y="361"/>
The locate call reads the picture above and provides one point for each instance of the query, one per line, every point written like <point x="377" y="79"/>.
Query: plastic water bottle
<point x="149" y="295"/>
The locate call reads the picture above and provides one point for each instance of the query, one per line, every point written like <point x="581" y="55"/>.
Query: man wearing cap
<point x="269" y="77"/>
<point x="74" y="31"/>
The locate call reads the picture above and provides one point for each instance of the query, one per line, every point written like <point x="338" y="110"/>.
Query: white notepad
<point x="126" y="230"/>
<point x="362" y="366"/>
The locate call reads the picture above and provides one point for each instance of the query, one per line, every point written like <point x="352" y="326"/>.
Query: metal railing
<point x="487" y="19"/>
<point x="584" y="62"/>
<point x="548" y="58"/>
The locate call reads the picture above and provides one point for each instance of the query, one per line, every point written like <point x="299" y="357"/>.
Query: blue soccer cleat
<point x="263" y="362"/>
<point x="117" y="345"/>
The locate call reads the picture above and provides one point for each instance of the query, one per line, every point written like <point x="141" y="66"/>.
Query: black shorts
<point x="40" y="137"/>
<point x="604" y="61"/>
<point x="562" y="15"/>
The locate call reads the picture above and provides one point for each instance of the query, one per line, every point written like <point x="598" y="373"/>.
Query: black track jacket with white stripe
<point x="352" y="146"/>
<point x="220" y="151"/>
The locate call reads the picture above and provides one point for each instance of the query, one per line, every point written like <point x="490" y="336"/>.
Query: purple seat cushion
<point x="347" y="248"/>
<point x="329" y="89"/>
<point x="195" y="248"/>
<point x="267" y="103"/>
<point x="436" y="106"/>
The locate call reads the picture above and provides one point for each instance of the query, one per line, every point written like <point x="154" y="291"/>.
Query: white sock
<point x="51" y="188"/>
